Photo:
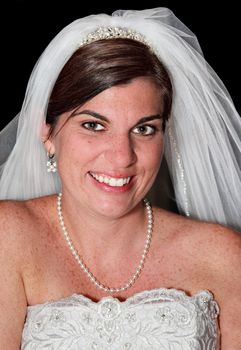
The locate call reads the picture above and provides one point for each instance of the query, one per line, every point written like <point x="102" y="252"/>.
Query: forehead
<point x="139" y="96"/>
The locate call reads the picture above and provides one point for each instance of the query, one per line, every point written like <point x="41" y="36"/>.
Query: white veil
<point x="203" y="139"/>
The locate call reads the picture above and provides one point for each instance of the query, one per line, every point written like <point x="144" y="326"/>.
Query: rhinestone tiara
<point x="113" y="33"/>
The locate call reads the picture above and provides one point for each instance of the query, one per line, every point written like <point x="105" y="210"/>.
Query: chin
<point x="113" y="206"/>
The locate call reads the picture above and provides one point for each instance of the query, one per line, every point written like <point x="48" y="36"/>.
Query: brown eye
<point x="145" y="130"/>
<point x="94" y="126"/>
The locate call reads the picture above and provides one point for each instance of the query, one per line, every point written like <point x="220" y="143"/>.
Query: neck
<point x="92" y="231"/>
<point x="84" y="267"/>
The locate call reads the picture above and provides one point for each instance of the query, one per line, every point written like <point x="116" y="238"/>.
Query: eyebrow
<point x="105" y="119"/>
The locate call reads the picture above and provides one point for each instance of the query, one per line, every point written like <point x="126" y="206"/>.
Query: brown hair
<point x="100" y="65"/>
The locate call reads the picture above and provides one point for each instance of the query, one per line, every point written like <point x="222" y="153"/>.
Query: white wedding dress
<point x="157" y="319"/>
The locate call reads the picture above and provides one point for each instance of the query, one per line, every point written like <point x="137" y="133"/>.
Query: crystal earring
<point x="51" y="163"/>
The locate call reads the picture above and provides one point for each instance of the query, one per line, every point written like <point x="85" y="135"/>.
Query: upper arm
<point x="12" y="295"/>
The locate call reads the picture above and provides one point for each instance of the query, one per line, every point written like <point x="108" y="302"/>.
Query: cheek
<point x="76" y="154"/>
<point x="73" y="146"/>
<point x="150" y="157"/>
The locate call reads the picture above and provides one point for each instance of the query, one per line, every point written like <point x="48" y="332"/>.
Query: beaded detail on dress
<point x="157" y="319"/>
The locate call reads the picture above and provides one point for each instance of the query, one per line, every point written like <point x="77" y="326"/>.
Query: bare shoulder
<point x="18" y="231"/>
<point x="222" y="257"/>
<point x="17" y="215"/>
<point x="211" y="255"/>
<point x="12" y="292"/>
<point x="212" y="251"/>
<point x="19" y="222"/>
<point x="215" y="239"/>
<point x="13" y="219"/>
<point x="219" y="247"/>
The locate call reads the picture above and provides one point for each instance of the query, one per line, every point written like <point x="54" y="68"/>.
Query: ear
<point x="47" y="141"/>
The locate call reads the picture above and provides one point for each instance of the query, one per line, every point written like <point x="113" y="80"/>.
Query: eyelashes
<point x="144" y="130"/>
<point x="93" y="126"/>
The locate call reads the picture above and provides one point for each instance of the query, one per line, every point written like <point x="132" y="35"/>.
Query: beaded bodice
<point x="157" y="319"/>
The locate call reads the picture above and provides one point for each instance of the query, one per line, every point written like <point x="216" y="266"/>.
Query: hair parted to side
<point x="100" y="65"/>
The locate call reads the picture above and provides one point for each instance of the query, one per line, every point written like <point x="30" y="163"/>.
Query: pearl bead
<point x="85" y="269"/>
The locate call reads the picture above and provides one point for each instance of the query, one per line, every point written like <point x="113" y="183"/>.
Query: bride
<point x="87" y="261"/>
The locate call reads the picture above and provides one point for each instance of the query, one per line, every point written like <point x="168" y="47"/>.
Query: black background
<point x="30" y="25"/>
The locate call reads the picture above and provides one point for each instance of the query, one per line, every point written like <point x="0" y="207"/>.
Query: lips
<point x="111" y="181"/>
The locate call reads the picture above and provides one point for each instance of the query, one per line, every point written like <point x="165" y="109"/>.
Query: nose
<point x="120" y="151"/>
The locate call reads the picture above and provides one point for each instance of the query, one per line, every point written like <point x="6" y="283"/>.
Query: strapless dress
<point x="162" y="318"/>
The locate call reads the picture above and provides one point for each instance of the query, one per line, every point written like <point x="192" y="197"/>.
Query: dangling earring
<point x="51" y="163"/>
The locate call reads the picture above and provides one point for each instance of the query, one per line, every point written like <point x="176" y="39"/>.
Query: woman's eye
<point x="93" y="126"/>
<point x="145" y="130"/>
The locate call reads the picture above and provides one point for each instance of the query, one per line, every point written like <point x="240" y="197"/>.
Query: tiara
<point x="113" y="33"/>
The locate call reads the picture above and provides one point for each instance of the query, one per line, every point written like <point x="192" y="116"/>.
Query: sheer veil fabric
<point x="203" y="142"/>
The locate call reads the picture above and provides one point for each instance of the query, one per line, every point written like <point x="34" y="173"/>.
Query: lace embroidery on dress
<point x="157" y="319"/>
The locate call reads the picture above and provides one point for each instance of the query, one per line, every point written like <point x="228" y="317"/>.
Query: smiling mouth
<point x="111" y="181"/>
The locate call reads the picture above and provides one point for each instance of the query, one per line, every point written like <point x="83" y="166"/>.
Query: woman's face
<point x="109" y="152"/>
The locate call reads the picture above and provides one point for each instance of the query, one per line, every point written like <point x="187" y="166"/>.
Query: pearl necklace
<point x="86" y="270"/>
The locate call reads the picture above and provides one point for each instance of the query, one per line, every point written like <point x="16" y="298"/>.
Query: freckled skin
<point x="115" y="150"/>
<point x="109" y="229"/>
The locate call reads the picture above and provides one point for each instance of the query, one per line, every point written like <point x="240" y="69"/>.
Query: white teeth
<point x="105" y="179"/>
<point x="111" y="181"/>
